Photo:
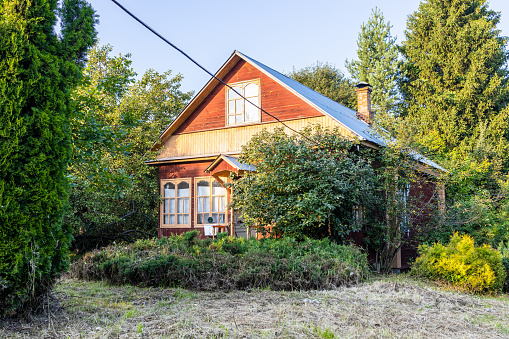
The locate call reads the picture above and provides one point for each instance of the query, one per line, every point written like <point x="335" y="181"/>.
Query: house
<point x="199" y="150"/>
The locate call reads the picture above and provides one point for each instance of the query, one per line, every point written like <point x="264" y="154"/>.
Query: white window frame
<point x="210" y="180"/>
<point x="242" y="85"/>
<point x="162" y="213"/>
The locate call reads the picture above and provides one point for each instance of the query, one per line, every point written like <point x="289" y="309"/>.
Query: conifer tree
<point x="378" y="62"/>
<point x="455" y="83"/>
<point x="38" y="70"/>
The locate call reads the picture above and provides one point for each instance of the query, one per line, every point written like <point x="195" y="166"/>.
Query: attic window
<point x="238" y="110"/>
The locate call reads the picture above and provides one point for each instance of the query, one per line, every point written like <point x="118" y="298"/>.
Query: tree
<point x="38" y="70"/>
<point x="378" y="63"/>
<point x="114" y="194"/>
<point x="455" y="76"/>
<point x="303" y="185"/>
<point x="329" y="81"/>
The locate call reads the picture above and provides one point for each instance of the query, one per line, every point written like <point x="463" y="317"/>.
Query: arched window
<point x="176" y="197"/>
<point x="238" y="110"/>
<point x="210" y="203"/>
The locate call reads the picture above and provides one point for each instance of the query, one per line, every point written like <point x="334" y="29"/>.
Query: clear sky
<point x="282" y="34"/>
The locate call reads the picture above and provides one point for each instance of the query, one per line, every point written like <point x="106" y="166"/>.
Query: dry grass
<point x="393" y="307"/>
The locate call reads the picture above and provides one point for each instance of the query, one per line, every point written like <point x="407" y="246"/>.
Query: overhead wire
<point x="207" y="71"/>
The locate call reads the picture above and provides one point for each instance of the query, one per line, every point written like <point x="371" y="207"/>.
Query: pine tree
<point x="378" y="62"/>
<point x="38" y="70"/>
<point x="455" y="77"/>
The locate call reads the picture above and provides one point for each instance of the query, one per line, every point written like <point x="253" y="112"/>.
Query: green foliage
<point x="38" y="70"/>
<point x="329" y="81"/>
<point x="503" y="248"/>
<point x="406" y="199"/>
<point x="303" y="185"/>
<point x="377" y="63"/>
<point x="114" y="194"/>
<point x="455" y="77"/>
<point x="461" y="264"/>
<point x="228" y="263"/>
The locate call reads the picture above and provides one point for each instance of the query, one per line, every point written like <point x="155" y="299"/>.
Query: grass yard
<point x="387" y="308"/>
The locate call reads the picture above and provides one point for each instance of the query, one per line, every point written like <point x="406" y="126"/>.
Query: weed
<point x="139" y="328"/>
<point x="130" y="313"/>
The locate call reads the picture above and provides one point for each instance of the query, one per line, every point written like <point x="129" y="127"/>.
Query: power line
<point x="205" y="70"/>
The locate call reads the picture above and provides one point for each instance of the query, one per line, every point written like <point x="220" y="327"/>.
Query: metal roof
<point x="234" y="162"/>
<point x="342" y="114"/>
<point x="239" y="165"/>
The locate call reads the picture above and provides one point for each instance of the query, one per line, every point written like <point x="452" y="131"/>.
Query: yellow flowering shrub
<point x="462" y="264"/>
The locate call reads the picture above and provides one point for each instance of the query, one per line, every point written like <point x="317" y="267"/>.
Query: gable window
<point x="238" y="110"/>
<point x="210" y="202"/>
<point x="176" y="196"/>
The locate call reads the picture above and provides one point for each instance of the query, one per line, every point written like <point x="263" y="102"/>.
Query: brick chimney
<point x="364" y="111"/>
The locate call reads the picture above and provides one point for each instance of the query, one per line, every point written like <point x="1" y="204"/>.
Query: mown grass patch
<point x="227" y="264"/>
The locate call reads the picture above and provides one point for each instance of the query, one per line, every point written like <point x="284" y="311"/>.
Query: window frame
<point x="243" y="84"/>
<point x="175" y="182"/>
<point x="358" y="212"/>
<point x="210" y="179"/>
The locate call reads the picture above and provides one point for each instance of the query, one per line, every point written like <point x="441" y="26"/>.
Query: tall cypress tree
<point x="455" y="83"/>
<point x="38" y="70"/>
<point x="378" y="62"/>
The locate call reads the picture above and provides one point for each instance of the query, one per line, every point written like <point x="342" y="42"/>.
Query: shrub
<point x="503" y="248"/>
<point x="464" y="266"/>
<point x="227" y="263"/>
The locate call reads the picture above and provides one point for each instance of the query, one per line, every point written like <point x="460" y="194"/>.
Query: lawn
<point x="391" y="307"/>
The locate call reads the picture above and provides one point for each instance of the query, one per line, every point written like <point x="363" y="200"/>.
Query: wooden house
<point x="199" y="149"/>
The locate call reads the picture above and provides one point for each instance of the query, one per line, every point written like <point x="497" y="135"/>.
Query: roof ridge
<point x="293" y="80"/>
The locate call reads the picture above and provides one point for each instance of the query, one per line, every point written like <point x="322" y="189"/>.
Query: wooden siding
<point x="230" y="140"/>
<point x="275" y="99"/>
<point x="187" y="170"/>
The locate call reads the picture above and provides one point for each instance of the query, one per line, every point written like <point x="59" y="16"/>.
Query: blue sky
<point x="281" y="34"/>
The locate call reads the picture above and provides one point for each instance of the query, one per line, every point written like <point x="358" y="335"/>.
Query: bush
<point x="227" y="263"/>
<point x="464" y="266"/>
<point x="503" y="248"/>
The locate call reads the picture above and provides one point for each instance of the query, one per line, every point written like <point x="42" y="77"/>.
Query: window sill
<point x="174" y="226"/>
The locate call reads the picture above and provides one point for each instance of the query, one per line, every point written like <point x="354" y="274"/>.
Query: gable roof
<point x="234" y="162"/>
<point x="343" y="115"/>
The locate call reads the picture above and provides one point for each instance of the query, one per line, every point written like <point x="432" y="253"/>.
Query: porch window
<point x="210" y="202"/>
<point x="238" y="110"/>
<point x="176" y="197"/>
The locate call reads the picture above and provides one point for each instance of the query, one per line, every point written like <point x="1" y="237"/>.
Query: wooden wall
<point x="187" y="170"/>
<point x="275" y="99"/>
<point x="230" y="140"/>
<point x="424" y="195"/>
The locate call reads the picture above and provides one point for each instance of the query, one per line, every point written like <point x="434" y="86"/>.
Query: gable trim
<point x="233" y="162"/>
<point x="291" y="90"/>
<point x="212" y="83"/>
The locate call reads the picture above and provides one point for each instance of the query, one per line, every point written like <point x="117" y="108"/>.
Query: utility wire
<point x="205" y="70"/>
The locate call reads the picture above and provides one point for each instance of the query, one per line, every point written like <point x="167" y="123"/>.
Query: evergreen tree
<point x="329" y="81"/>
<point x="38" y="70"/>
<point x="378" y="62"/>
<point x="455" y="83"/>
